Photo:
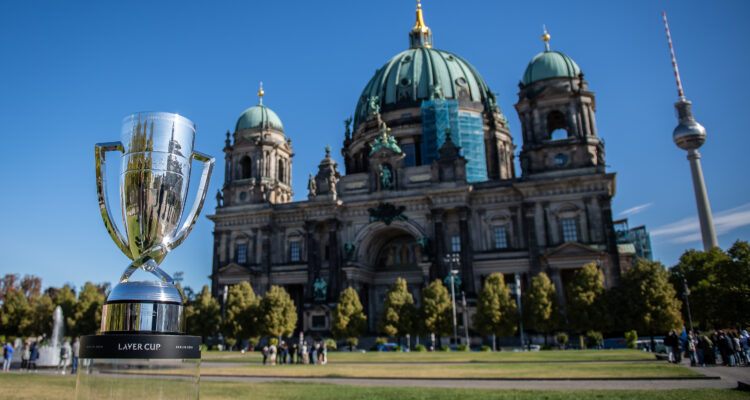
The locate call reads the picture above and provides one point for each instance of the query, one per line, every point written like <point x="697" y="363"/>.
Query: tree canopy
<point x="397" y="317"/>
<point x="496" y="311"/>
<point x="349" y="320"/>
<point x="278" y="313"/>
<point x="435" y="311"/>
<point x="651" y="305"/>
<point x="203" y="314"/>
<point x="242" y="314"/>
<point x="584" y="294"/>
<point x="540" y="306"/>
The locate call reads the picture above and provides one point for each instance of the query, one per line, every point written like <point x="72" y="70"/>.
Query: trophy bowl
<point x="143" y="327"/>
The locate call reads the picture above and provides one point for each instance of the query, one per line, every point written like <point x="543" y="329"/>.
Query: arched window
<point x="557" y="128"/>
<point x="280" y="171"/>
<point x="246" y="164"/>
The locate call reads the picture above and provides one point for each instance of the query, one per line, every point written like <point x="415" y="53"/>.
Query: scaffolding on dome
<point x="466" y="130"/>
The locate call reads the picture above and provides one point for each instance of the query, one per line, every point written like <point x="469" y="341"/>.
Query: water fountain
<point x="49" y="354"/>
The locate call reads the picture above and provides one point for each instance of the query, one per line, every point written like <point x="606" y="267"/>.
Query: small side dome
<point x="259" y="117"/>
<point x="550" y="64"/>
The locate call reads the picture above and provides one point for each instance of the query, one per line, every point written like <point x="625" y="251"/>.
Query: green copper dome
<point x="550" y="64"/>
<point x="421" y="73"/>
<point x="259" y="117"/>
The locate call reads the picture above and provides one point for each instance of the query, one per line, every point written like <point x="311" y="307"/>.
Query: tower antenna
<point x="680" y="92"/>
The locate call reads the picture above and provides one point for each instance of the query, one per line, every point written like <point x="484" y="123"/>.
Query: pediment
<point x="233" y="268"/>
<point x="572" y="249"/>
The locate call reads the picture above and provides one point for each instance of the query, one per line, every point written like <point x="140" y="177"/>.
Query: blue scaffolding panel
<point x="466" y="131"/>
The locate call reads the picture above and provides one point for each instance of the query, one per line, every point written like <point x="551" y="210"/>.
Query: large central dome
<point x="421" y="73"/>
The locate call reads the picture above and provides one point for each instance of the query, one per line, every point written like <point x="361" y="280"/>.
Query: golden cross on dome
<point x="261" y="93"/>
<point x="545" y="37"/>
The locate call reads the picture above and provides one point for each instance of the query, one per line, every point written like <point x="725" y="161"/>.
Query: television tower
<point x="689" y="135"/>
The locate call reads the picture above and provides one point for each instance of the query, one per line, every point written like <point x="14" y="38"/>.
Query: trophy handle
<point x="187" y="226"/>
<point x="101" y="184"/>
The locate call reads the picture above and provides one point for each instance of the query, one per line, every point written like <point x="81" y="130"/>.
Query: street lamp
<point x="454" y="272"/>
<point x="686" y="293"/>
<point x="516" y="288"/>
<point x="465" y="317"/>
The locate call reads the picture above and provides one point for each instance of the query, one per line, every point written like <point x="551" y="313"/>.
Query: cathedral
<point x="428" y="189"/>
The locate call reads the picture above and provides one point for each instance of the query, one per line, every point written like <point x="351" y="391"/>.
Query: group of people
<point x="731" y="348"/>
<point x="316" y="353"/>
<point x="30" y="355"/>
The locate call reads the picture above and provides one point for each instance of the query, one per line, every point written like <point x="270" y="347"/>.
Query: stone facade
<point x="388" y="218"/>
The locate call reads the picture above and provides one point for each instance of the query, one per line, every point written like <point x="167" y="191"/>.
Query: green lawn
<point x="27" y="387"/>
<point x="456" y="356"/>
<point x="466" y="371"/>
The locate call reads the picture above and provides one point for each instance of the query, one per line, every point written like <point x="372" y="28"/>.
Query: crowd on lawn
<point x="729" y="347"/>
<point x="315" y="353"/>
<point x="30" y="355"/>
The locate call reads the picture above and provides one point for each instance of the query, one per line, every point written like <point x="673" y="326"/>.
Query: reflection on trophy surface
<point x="143" y="323"/>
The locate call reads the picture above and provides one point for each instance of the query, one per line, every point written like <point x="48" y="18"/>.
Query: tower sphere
<point x="689" y="134"/>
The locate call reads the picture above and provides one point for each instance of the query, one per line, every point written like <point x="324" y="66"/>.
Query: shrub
<point x="463" y="347"/>
<point x="594" y="338"/>
<point x="204" y="347"/>
<point x="562" y="338"/>
<point x="330" y="343"/>
<point x="230" y="342"/>
<point x="420" y="348"/>
<point x="273" y="341"/>
<point x="445" y="348"/>
<point x="397" y="348"/>
<point x="381" y="340"/>
<point x="546" y="347"/>
<point x="352" y="342"/>
<point x="485" y="348"/>
<point x="630" y="338"/>
<point x="581" y="342"/>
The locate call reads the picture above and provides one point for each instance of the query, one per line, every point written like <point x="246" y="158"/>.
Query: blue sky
<point x="71" y="71"/>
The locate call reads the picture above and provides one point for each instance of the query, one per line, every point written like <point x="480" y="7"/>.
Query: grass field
<point x="27" y="387"/>
<point x="466" y="371"/>
<point x="456" y="356"/>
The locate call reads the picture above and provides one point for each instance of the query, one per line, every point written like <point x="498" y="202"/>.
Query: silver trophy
<point x="157" y="151"/>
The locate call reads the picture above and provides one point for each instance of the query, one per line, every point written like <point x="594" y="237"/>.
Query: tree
<point x="584" y="299"/>
<point x="41" y="310"/>
<point x="203" y="314"/>
<point x="14" y="314"/>
<point x="66" y="299"/>
<point x="349" y="320"/>
<point x="242" y="314"/>
<point x="719" y="284"/>
<point x="497" y="313"/>
<point x="87" y="314"/>
<point x="397" y="317"/>
<point x="436" y="312"/>
<point x="540" y="308"/>
<point x="278" y="313"/>
<point x="651" y="302"/>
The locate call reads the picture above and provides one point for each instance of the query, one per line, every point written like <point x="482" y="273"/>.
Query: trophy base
<point x="138" y="366"/>
<point x="144" y="307"/>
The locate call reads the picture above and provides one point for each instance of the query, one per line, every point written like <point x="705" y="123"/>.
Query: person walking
<point x="25" y="356"/>
<point x="272" y="353"/>
<point x="265" y="354"/>
<point x="33" y="356"/>
<point x="324" y="354"/>
<point x="305" y="354"/>
<point x="745" y="344"/>
<point x="76" y="348"/>
<point x="7" y="355"/>
<point x="691" y="349"/>
<point x="64" y="355"/>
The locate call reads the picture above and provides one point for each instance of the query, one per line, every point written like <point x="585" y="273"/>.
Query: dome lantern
<point x="420" y="35"/>
<point x="549" y="64"/>
<point x="259" y="117"/>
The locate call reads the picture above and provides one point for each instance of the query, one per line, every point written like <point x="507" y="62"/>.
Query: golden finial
<point x="420" y="25"/>
<point x="546" y="37"/>
<point x="261" y="93"/>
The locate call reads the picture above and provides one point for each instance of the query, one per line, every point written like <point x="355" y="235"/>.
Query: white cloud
<point x="688" y="229"/>
<point x="636" y="209"/>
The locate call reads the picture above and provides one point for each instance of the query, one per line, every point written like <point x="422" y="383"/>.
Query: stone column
<point x="529" y="211"/>
<point x="613" y="278"/>
<point x="439" y="245"/>
<point x="266" y="257"/>
<point x="467" y="252"/>
<point x="313" y="267"/>
<point x="215" y="265"/>
<point x="334" y="265"/>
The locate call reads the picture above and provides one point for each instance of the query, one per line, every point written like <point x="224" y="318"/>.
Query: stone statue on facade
<point x="375" y="105"/>
<point x="219" y="199"/>
<point x="320" y="289"/>
<point x="312" y="187"/>
<point x="386" y="177"/>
